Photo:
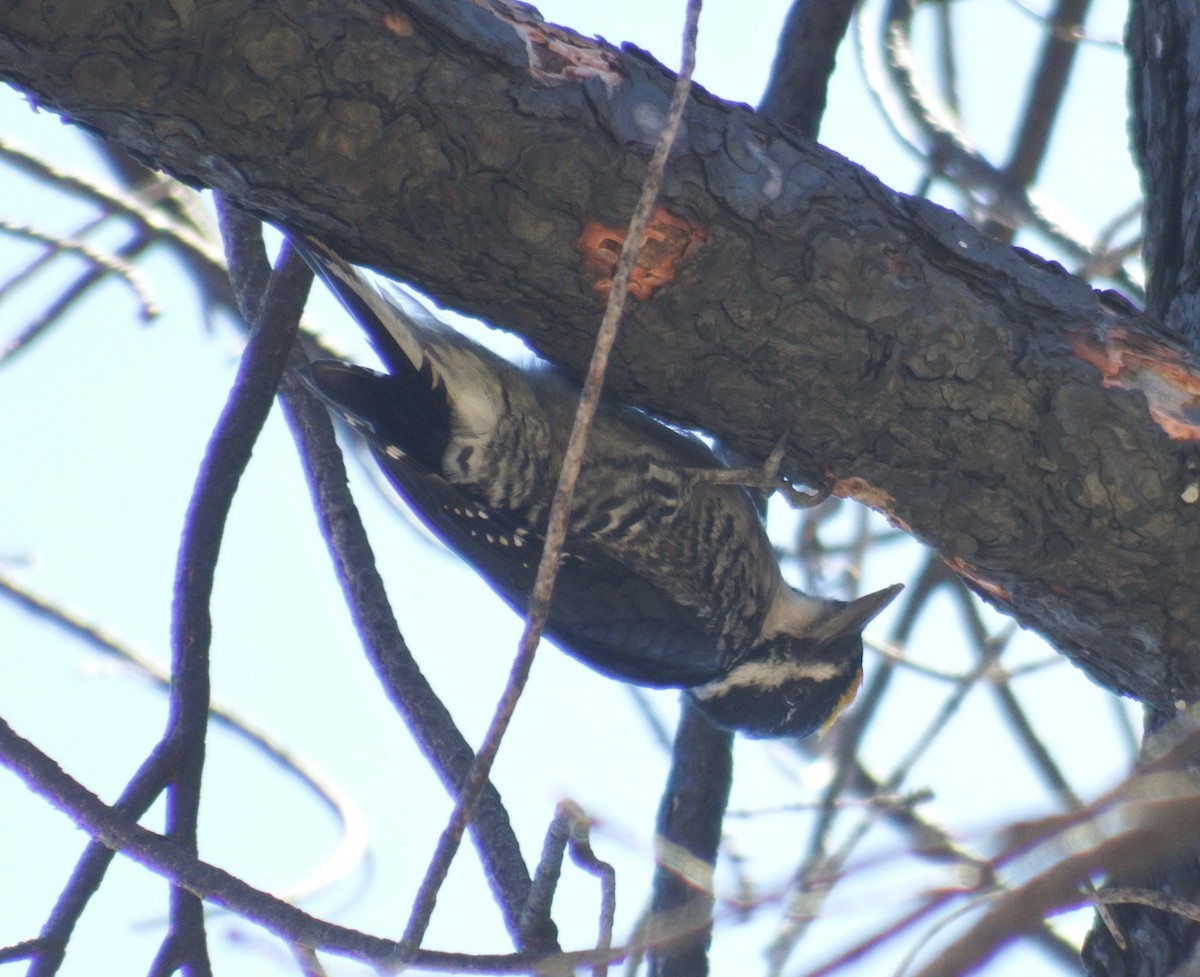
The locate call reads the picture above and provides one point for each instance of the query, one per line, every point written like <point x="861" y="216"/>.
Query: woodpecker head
<point x="795" y="684"/>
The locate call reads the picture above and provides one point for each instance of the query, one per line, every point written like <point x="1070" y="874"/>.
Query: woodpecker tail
<point x="393" y="322"/>
<point x="447" y="387"/>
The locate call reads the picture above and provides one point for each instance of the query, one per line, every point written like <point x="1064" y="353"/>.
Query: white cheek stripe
<point x="767" y="676"/>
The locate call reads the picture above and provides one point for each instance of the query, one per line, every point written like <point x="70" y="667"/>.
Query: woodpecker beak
<point x="851" y="618"/>
<point x="842" y="703"/>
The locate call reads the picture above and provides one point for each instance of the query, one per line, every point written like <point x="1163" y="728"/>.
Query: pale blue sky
<point x="106" y="424"/>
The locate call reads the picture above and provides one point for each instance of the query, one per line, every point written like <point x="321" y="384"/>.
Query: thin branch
<point x="814" y="879"/>
<point x="580" y="847"/>
<point x="571" y="829"/>
<point x="276" y="320"/>
<point x="689" y="833"/>
<point x="1147" y="818"/>
<point x="1014" y="713"/>
<point x="950" y="153"/>
<point x="1079" y="33"/>
<point x="166" y="858"/>
<point x="1046" y="93"/>
<point x="25" y="950"/>
<point x="161" y="209"/>
<point x="560" y="509"/>
<point x="1043" y="100"/>
<point x="804" y="60"/>
<point x="115" y="203"/>
<point x="427" y="718"/>
<point x="45" y="778"/>
<point x="946" y="48"/>
<point x="102" y="261"/>
<point x="142" y="790"/>
<point x="352" y="844"/>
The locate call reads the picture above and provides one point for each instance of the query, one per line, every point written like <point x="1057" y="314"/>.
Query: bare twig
<point x="276" y="319"/>
<point x="561" y="507"/>
<point x="105" y="261"/>
<point x="352" y="845"/>
<point x="570" y="830"/>
<point x="166" y="858"/>
<point x="127" y="205"/>
<point x="299" y="929"/>
<point x="427" y="718"/>
<point x="804" y="60"/>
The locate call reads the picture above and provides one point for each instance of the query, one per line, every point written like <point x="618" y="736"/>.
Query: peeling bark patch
<point x="668" y="240"/>
<point x="1168" y="378"/>
<point x="871" y="496"/>
<point x="556" y="56"/>
<point x="398" y="24"/>
<point x="971" y="575"/>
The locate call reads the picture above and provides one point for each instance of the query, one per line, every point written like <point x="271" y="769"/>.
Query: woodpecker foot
<point x="766" y="478"/>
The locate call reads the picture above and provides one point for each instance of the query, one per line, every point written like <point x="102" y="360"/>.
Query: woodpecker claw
<point x="765" y="478"/>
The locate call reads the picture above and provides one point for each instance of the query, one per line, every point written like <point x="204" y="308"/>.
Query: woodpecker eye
<point x="795" y="698"/>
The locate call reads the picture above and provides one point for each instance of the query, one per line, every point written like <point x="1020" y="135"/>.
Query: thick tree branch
<point x="1165" y="84"/>
<point x="1164" y="52"/>
<point x="1037" y="433"/>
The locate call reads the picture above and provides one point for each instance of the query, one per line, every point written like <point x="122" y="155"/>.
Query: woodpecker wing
<point x="603" y="613"/>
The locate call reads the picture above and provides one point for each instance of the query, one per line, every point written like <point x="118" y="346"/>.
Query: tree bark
<point x="1165" y="88"/>
<point x="1163" y="43"/>
<point x="1039" y="434"/>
